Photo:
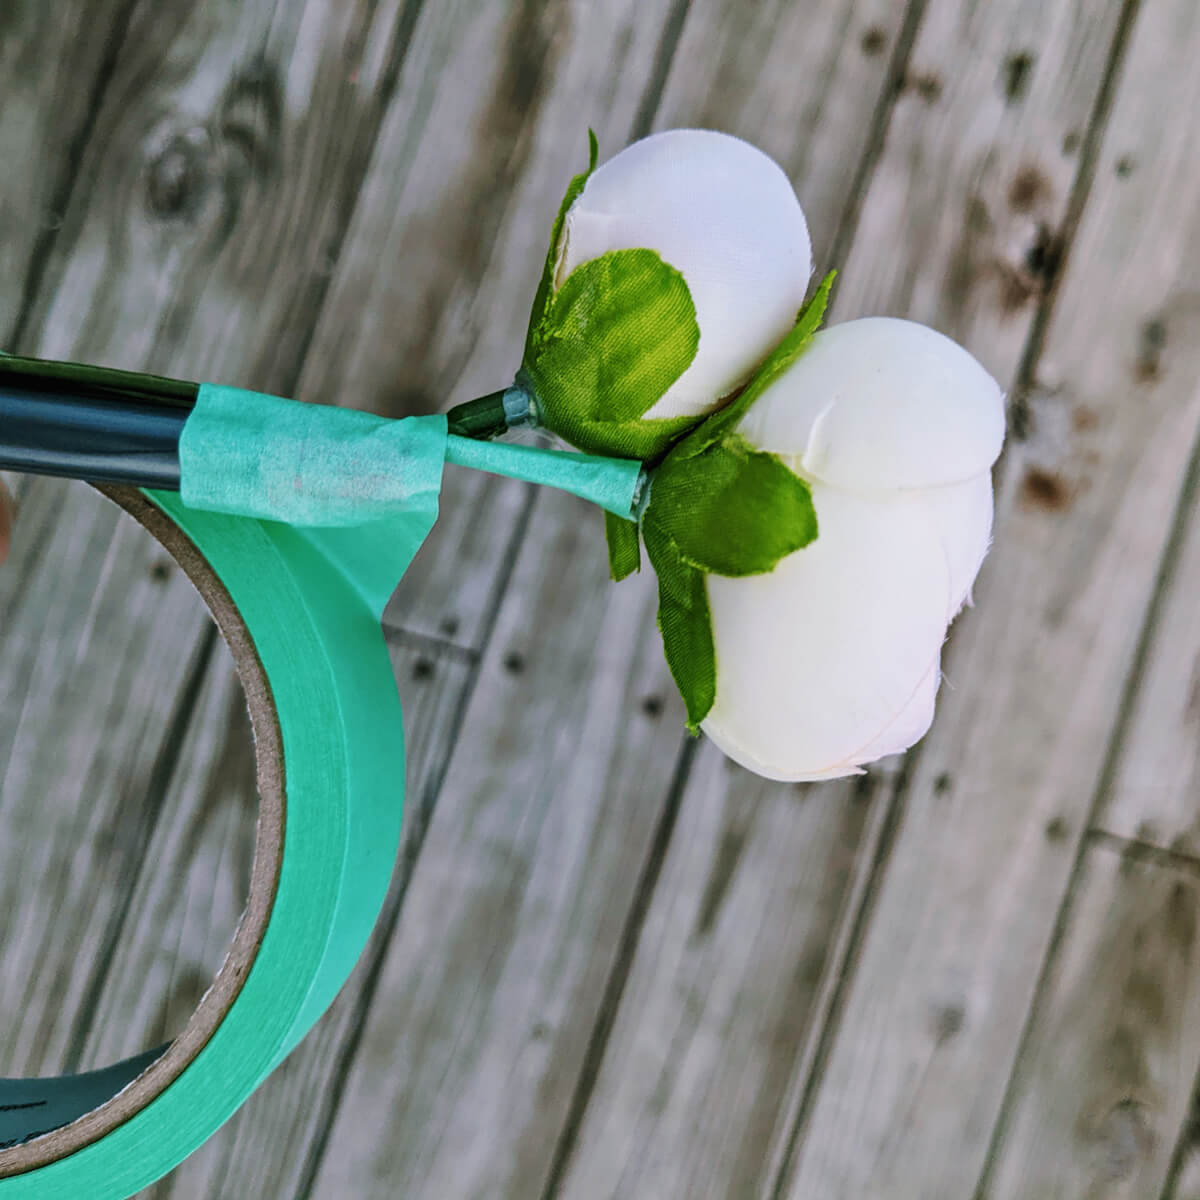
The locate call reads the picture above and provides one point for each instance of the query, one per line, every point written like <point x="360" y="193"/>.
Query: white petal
<point x="820" y="659"/>
<point x="961" y="514"/>
<point x="911" y="724"/>
<point x="724" y="214"/>
<point x="882" y="403"/>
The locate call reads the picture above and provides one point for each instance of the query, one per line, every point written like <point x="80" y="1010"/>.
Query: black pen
<point x="110" y="426"/>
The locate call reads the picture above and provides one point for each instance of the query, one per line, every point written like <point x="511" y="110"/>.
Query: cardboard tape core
<point x="46" y="1119"/>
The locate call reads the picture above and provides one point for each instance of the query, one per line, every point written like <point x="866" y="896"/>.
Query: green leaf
<point x="732" y="510"/>
<point x="624" y="550"/>
<point x="614" y="338"/>
<point x="545" y="288"/>
<point x="642" y="439"/>
<point x="685" y="621"/>
<point x="725" y="420"/>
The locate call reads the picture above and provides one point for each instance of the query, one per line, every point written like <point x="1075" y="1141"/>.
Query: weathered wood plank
<point x="1005" y="782"/>
<point x="1109" y="1064"/>
<point x="189" y="894"/>
<point x="430" y="301"/>
<point x="726" y="985"/>
<point x="1152" y="796"/>
<point x="51" y="80"/>
<point x="92" y="680"/>
<point x="519" y="901"/>
<point x="219" y="178"/>
<point x="191" y="884"/>
<point x="961" y="225"/>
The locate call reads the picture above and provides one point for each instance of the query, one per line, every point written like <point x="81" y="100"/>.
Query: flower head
<point x="673" y="270"/>
<point x="832" y="659"/>
<point x="724" y="215"/>
<point x="821" y="501"/>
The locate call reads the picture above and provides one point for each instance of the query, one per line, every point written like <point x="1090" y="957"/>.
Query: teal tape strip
<point x="306" y="464"/>
<point x="316" y="465"/>
<point x="613" y="483"/>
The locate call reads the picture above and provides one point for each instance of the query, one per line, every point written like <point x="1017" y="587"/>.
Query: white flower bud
<point x="724" y="215"/>
<point x="832" y="660"/>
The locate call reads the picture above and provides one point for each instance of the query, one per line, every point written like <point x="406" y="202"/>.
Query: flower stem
<point x="492" y="415"/>
<point x="483" y="418"/>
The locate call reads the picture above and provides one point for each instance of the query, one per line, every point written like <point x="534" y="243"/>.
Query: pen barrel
<point x="92" y="423"/>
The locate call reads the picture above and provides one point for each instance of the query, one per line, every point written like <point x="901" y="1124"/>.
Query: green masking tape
<point x="320" y="512"/>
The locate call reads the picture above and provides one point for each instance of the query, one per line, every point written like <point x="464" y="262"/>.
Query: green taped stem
<point x="615" y="484"/>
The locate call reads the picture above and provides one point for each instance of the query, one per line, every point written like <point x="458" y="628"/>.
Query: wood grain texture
<point x="519" y="902"/>
<point x="186" y="903"/>
<point x="191" y="885"/>
<point x="93" y="681"/>
<point x="1107" y="1075"/>
<point x="219" y="177"/>
<point x="430" y="301"/>
<point x="1153" y="793"/>
<point x="1006" y="781"/>
<point x="961" y="224"/>
<point x="51" y="81"/>
<point x="1157" y="780"/>
<point x="726" y="987"/>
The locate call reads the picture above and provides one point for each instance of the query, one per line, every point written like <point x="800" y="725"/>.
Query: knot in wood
<point x="178" y="175"/>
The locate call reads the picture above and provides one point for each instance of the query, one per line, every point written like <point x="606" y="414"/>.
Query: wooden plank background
<point x="612" y="964"/>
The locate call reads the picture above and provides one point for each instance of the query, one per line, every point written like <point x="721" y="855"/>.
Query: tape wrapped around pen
<point x="295" y="522"/>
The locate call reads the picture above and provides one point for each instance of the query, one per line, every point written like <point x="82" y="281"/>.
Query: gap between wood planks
<point x="44" y="243"/>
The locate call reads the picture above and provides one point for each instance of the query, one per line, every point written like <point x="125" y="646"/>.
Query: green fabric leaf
<point x="615" y="337"/>
<point x="732" y="510"/>
<point x="624" y="550"/>
<point x="685" y="622"/>
<point x="644" y="440"/>
<point x="725" y="420"/>
<point x="545" y="288"/>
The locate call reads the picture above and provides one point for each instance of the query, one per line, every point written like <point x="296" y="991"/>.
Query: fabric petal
<point x="722" y="213"/>
<point x="882" y="403"/>
<point x="910" y="725"/>
<point x="961" y="514"/>
<point x="818" y="659"/>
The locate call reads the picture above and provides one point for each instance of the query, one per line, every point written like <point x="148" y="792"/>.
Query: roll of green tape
<point x="300" y="605"/>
